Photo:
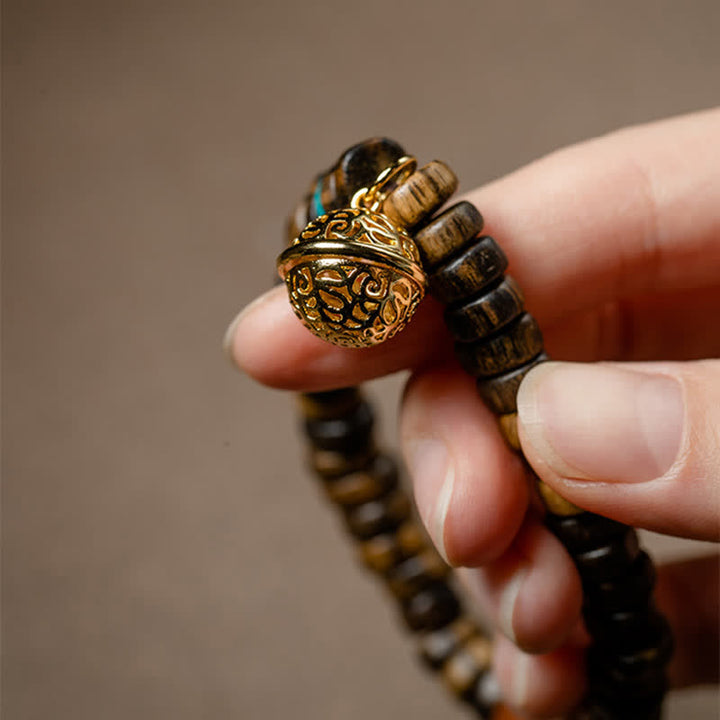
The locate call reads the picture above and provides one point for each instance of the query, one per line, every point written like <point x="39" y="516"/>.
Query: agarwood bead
<point x="463" y="668"/>
<point x="500" y="393"/>
<point x="485" y="696"/>
<point x="330" y="404"/>
<point x="437" y="646"/>
<point x="348" y="433"/>
<point x="635" y="664"/>
<point x="555" y="503"/>
<point x="330" y="464"/>
<point x="610" y="560"/>
<point x="469" y="273"/>
<point x="486" y="314"/>
<point x="448" y="233"/>
<point x="433" y="607"/>
<point x="410" y="538"/>
<point x="365" y="485"/>
<point x="515" y="345"/>
<point x="509" y="430"/>
<point x="585" y="530"/>
<point x="381" y="553"/>
<point x="410" y="576"/>
<point x="421" y="194"/>
<point x="360" y="165"/>
<point x="378" y="516"/>
<point x="627" y="631"/>
<point x="631" y="589"/>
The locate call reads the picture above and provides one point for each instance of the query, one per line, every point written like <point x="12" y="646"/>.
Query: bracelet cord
<point x="497" y="342"/>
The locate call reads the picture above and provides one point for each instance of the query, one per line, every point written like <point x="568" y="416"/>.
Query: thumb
<point x="639" y="443"/>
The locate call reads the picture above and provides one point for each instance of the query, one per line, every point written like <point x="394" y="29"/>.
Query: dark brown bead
<point x="463" y="668"/>
<point x="368" y="484"/>
<point x="382" y="553"/>
<point x="584" y="531"/>
<point x="437" y="646"/>
<point x="448" y="233"/>
<point x="484" y="696"/>
<point x="515" y="345"/>
<point x="631" y="589"/>
<point x="433" y="607"/>
<point x="500" y="393"/>
<point x="348" y="433"/>
<point x="378" y="516"/>
<point x="330" y="464"/>
<point x="627" y="631"/>
<point x="610" y="560"/>
<point x="415" y="573"/>
<point x="360" y="165"/>
<point x="486" y="314"/>
<point x="420" y="195"/>
<point x="469" y="273"/>
<point x="330" y="404"/>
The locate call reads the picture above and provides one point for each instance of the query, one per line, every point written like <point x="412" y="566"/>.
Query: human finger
<point x="639" y="443"/>
<point x="471" y="491"/>
<point x="532" y="591"/>
<point x="616" y="217"/>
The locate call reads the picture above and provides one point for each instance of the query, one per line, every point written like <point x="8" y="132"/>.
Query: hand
<point x="616" y="243"/>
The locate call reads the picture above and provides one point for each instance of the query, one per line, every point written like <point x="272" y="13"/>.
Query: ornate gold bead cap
<point x="353" y="277"/>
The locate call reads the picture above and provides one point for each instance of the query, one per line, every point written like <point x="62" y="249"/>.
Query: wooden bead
<point x="463" y="668"/>
<point x="378" y="516"/>
<point x="331" y="464"/>
<point x="486" y="314"/>
<point x="515" y="345"/>
<point x="433" y="607"/>
<point x="348" y="433"/>
<point x="371" y="483"/>
<point x="585" y="530"/>
<point x="555" y="503"/>
<point x="360" y="166"/>
<point x="628" y="631"/>
<point x="629" y="590"/>
<point x="415" y="573"/>
<point x="421" y="194"/>
<point x="410" y="538"/>
<point x="437" y="646"/>
<point x="468" y="274"/>
<point x="484" y="698"/>
<point x="509" y="431"/>
<point x="610" y="560"/>
<point x="448" y="233"/>
<point x="500" y="393"/>
<point x="382" y="553"/>
<point x="329" y="405"/>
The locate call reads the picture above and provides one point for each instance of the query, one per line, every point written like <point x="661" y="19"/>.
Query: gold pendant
<point x="353" y="277"/>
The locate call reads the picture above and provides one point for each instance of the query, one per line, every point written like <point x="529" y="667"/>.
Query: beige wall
<point x="165" y="555"/>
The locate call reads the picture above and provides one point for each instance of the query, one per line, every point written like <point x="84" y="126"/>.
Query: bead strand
<point x="498" y="343"/>
<point x="362" y="483"/>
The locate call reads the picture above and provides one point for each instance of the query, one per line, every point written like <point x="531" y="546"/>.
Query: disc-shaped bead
<point x="448" y="233"/>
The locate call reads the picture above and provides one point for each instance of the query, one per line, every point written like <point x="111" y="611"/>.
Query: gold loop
<point x="372" y="198"/>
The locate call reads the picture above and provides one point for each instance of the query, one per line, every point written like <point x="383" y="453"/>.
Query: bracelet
<point x="364" y="245"/>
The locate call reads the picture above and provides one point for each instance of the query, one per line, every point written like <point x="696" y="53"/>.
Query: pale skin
<point x="616" y="244"/>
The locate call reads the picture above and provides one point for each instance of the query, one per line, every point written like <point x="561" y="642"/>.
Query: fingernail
<point x="599" y="422"/>
<point x="520" y="680"/>
<point x="229" y="336"/>
<point x="433" y="479"/>
<point x="508" y="599"/>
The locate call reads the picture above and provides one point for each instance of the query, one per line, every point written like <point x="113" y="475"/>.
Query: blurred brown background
<point x="165" y="555"/>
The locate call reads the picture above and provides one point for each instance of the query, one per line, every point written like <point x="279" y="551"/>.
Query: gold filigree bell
<point x="353" y="277"/>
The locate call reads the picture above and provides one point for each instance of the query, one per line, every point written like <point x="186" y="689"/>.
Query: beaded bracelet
<point x="362" y="242"/>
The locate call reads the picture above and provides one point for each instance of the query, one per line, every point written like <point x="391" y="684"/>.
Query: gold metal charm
<point x="353" y="277"/>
